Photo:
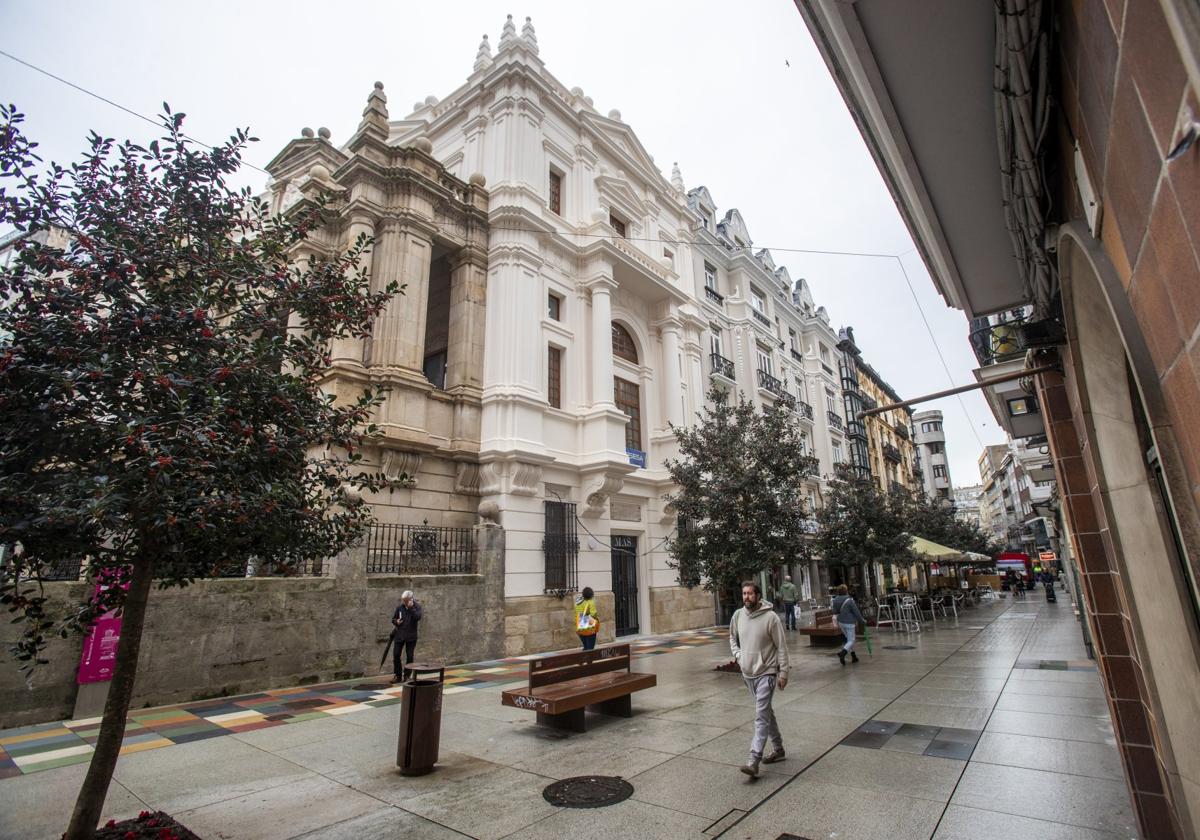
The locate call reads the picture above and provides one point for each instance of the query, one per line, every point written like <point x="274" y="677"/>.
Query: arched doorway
<point x="1153" y="623"/>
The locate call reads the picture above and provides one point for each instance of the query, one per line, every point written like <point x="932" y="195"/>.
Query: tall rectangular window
<point x="714" y="340"/>
<point x="556" y="192"/>
<point x="554" y="307"/>
<point x="793" y="340"/>
<point x="758" y="301"/>
<point x="830" y="402"/>
<point x="628" y="398"/>
<point x="837" y="453"/>
<point x="560" y="544"/>
<point x="554" y="377"/>
<point x="710" y="276"/>
<point x="617" y="225"/>
<point x="764" y="362"/>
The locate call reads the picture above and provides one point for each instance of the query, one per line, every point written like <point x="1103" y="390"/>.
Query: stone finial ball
<point x="489" y="511"/>
<point x="306" y="132"/>
<point x="319" y="172"/>
<point x="477" y="180"/>
<point x="614" y="114"/>
<point x="431" y="100"/>
<point x="424" y="144"/>
<point x="577" y="91"/>
<point x="379" y="86"/>
<point x="323" y="133"/>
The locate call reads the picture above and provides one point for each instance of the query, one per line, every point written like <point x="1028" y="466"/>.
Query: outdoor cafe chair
<point x="883" y="613"/>
<point x="910" y="614"/>
<point x="938" y="603"/>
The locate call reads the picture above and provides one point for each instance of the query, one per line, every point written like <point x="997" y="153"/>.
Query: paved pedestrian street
<point x="993" y="725"/>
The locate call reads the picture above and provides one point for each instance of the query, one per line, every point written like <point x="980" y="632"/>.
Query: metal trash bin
<point x="420" y="719"/>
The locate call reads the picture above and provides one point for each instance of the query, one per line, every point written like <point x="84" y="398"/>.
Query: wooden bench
<point x="561" y="687"/>
<point x="824" y="630"/>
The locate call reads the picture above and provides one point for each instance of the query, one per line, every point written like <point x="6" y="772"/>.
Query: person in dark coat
<point x="405" y="620"/>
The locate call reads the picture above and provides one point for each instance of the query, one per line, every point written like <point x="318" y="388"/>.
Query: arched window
<point x="622" y="344"/>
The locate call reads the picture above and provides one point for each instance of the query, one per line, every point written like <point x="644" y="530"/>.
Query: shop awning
<point x="930" y="550"/>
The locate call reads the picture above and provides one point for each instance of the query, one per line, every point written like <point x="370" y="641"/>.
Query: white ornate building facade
<point x="602" y="303"/>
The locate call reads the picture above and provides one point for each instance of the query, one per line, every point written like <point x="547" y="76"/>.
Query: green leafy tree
<point x="860" y="524"/>
<point x="740" y="477"/>
<point x="160" y="410"/>
<point x="935" y="520"/>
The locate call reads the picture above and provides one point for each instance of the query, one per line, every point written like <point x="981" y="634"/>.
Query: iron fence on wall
<point x="421" y="550"/>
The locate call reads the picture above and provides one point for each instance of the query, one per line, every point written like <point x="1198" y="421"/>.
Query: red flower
<point x="206" y="332"/>
<point x="110" y="823"/>
<point x="199" y="314"/>
<point x="164" y="460"/>
<point x="163" y="381"/>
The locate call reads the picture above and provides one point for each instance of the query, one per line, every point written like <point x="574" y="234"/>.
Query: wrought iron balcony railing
<point x="714" y="296"/>
<point x="797" y="355"/>
<point x="721" y="366"/>
<point x="788" y="400"/>
<point x="995" y="343"/>
<point x="761" y="318"/>
<point x="804" y="409"/>
<point x="869" y="403"/>
<point x="902" y="431"/>
<point x="835" y="420"/>
<point x="769" y="383"/>
<point x="892" y="453"/>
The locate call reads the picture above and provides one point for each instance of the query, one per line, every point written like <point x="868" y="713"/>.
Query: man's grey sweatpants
<point x="765" y="727"/>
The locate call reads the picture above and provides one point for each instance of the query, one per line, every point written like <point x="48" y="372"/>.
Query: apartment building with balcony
<point x="929" y="438"/>
<point x="769" y="341"/>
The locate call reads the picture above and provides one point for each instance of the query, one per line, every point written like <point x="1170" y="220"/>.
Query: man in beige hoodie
<point x="757" y="641"/>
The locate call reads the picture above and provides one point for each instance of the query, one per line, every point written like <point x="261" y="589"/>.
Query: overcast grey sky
<point x="700" y="83"/>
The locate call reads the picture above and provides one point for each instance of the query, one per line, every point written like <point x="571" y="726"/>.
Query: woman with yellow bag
<point x="587" y="622"/>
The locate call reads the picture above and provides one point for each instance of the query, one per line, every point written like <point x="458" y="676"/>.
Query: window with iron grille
<point x="555" y="192"/>
<point x="628" y="399"/>
<point x="560" y="544"/>
<point x="554" y="377"/>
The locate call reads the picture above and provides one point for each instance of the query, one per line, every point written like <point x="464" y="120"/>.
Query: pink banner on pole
<point x="99" y="655"/>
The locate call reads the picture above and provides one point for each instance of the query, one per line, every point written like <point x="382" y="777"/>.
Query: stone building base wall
<point x="538" y="623"/>
<point x="675" y="608"/>
<point x="229" y="636"/>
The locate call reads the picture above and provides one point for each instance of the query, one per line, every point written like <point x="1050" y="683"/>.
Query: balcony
<point x="797" y="355"/>
<point x="868" y="403"/>
<point x="835" y="420"/>
<point x="761" y="318"/>
<point x="812" y="467"/>
<point x="804" y="410"/>
<point x="902" y="431"/>
<point x="994" y="343"/>
<point x="788" y="400"/>
<point x="721" y="366"/>
<point x="892" y="453"/>
<point x="769" y="383"/>
<point x="713" y="296"/>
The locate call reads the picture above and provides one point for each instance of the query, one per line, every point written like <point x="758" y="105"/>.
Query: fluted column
<point x="672" y="378"/>
<point x="602" y="287"/>
<point x="350" y="350"/>
<point x="404" y="256"/>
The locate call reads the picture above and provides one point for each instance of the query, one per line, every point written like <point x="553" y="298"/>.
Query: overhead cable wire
<point x="945" y="367"/>
<point x="116" y="105"/>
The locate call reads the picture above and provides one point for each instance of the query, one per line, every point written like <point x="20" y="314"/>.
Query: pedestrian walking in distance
<point x="405" y="620"/>
<point x="587" y="621"/>
<point x="848" y="616"/>
<point x="788" y="593"/>
<point x="757" y="641"/>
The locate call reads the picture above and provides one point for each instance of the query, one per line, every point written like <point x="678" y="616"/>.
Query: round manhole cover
<point x="588" y="792"/>
<point x="899" y="647"/>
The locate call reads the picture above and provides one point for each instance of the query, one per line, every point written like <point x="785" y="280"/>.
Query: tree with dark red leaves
<point x="161" y="416"/>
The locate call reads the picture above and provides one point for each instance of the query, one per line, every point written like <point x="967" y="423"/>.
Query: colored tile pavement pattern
<point x="43" y="746"/>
